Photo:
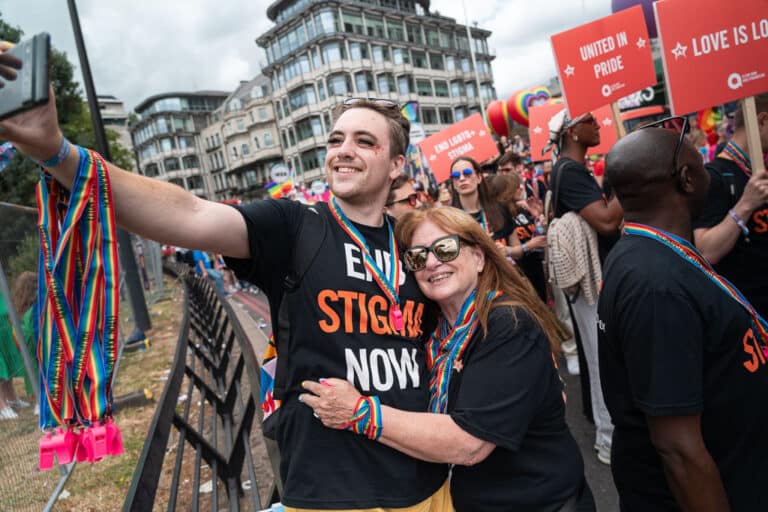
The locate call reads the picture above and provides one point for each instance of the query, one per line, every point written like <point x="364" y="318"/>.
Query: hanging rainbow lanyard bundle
<point x="446" y="347"/>
<point x="78" y="302"/>
<point x="390" y="287"/>
<point x="688" y="252"/>
<point x="733" y="152"/>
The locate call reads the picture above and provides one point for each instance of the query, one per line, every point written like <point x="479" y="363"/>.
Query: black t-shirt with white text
<point x="342" y="330"/>
<point x="507" y="392"/>
<point x="574" y="187"/>
<point x="746" y="265"/>
<point x="672" y="343"/>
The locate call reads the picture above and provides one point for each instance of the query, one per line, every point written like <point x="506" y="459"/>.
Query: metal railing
<point x="211" y="464"/>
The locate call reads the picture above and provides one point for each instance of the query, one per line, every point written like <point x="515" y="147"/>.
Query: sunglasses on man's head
<point x="445" y="249"/>
<point x="411" y="199"/>
<point x="466" y="172"/>
<point x="675" y="123"/>
<point x="379" y="102"/>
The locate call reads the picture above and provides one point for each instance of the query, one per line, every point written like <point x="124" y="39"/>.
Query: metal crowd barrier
<point x="211" y="463"/>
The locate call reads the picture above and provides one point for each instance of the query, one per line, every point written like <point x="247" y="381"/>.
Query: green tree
<point x="9" y="32"/>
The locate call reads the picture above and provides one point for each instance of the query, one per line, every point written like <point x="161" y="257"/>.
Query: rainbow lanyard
<point x="688" y="252"/>
<point x="484" y="222"/>
<point x="733" y="152"/>
<point x="446" y="347"/>
<point x="391" y="286"/>
<point x="78" y="296"/>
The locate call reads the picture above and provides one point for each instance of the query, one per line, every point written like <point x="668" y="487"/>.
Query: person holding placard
<point x="575" y="190"/>
<point x="732" y="232"/>
<point x="682" y="353"/>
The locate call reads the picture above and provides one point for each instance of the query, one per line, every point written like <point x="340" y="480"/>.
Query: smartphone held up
<point x="30" y="88"/>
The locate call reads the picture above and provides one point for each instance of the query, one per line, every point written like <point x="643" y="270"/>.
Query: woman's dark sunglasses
<point x="445" y="249"/>
<point x="466" y="172"/>
<point x="410" y="199"/>
<point x="676" y="123"/>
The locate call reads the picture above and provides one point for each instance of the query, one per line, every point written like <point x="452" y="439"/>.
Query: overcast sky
<point x="138" y="48"/>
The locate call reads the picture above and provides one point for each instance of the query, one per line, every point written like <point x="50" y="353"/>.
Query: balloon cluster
<point x="500" y="114"/>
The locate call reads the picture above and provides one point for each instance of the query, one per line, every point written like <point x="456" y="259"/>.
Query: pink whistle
<point x="114" y="439"/>
<point x="397" y="317"/>
<point x="46" y="451"/>
<point x="100" y="442"/>
<point x="85" y="447"/>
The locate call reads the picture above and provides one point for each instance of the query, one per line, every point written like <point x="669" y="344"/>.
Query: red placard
<point x="469" y="137"/>
<point x="604" y="60"/>
<point x="709" y="60"/>
<point x="538" y="130"/>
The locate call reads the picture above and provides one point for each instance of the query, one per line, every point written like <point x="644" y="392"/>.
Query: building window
<point x="446" y="116"/>
<point x="339" y="85"/>
<point x="404" y="84"/>
<point x="436" y="61"/>
<point x="380" y="53"/>
<point x="358" y="51"/>
<point x="353" y="23"/>
<point x="414" y="33"/>
<point x="327" y="21"/>
<point x="419" y="59"/>
<point x="321" y="90"/>
<point x="167" y="144"/>
<point x="428" y="115"/>
<point x="195" y="183"/>
<point x="151" y="171"/>
<point x="457" y="89"/>
<point x="459" y="114"/>
<point x="424" y="87"/>
<point x="256" y="143"/>
<point x="263" y="113"/>
<point x="190" y="162"/>
<point x="171" y="164"/>
<point x="245" y="149"/>
<point x="441" y="88"/>
<point x="395" y="29"/>
<point x="401" y="56"/>
<point x="240" y="124"/>
<point x="268" y="141"/>
<point x="471" y="90"/>
<point x="446" y="40"/>
<point x="364" y="82"/>
<point x="433" y="39"/>
<point x="466" y="66"/>
<point x="234" y="151"/>
<point x="332" y="52"/>
<point x="386" y="83"/>
<point x="374" y="26"/>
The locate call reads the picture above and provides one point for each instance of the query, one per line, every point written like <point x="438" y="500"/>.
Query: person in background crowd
<point x="519" y="146"/>
<point x="524" y="234"/>
<point x="509" y="163"/>
<point x="681" y="355"/>
<point x="496" y="406"/>
<point x="204" y="268"/>
<point x="402" y="197"/>
<point x="575" y="190"/>
<point x="230" y="281"/>
<point x="23" y="296"/>
<point x="445" y="194"/>
<point x="732" y="231"/>
<point x="470" y="193"/>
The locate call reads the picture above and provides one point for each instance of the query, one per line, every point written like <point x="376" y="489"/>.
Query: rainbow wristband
<point x="366" y="419"/>
<point x="59" y="157"/>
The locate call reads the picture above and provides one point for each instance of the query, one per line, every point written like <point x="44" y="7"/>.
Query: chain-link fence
<point x="22" y="486"/>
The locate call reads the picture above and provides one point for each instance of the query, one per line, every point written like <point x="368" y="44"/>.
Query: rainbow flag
<point x="278" y="190"/>
<point x="709" y="119"/>
<point x="410" y="111"/>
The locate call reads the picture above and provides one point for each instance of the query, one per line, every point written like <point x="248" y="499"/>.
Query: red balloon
<point x="498" y="118"/>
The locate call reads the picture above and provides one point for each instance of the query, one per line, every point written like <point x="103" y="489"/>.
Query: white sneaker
<point x="604" y="454"/>
<point x="21" y="404"/>
<point x="8" y="414"/>
<point x="572" y="363"/>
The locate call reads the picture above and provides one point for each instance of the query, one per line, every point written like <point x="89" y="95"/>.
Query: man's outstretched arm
<point x="151" y="208"/>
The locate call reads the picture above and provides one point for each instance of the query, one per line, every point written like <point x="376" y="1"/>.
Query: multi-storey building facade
<point x="241" y="142"/>
<point x="322" y="51"/>
<point x="166" y="137"/>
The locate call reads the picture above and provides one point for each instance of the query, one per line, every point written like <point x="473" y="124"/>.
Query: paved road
<point x="598" y="474"/>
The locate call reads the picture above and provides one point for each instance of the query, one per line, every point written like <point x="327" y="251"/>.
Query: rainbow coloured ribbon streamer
<point x="688" y="252"/>
<point x="366" y="420"/>
<point x="445" y="347"/>
<point x="78" y="304"/>
<point x="391" y="286"/>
